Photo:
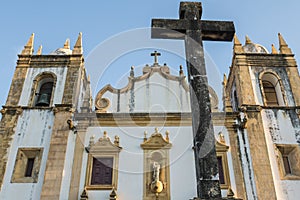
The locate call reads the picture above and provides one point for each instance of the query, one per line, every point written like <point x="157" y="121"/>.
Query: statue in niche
<point x="156" y="185"/>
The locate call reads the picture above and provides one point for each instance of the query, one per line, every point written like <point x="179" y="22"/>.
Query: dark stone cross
<point x="193" y="30"/>
<point x="155" y="54"/>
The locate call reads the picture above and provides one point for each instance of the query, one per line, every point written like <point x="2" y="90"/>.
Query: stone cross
<point x="155" y="54"/>
<point x="193" y="30"/>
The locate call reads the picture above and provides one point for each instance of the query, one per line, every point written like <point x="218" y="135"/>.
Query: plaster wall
<point x="130" y="177"/>
<point x="247" y="165"/>
<point x="279" y="130"/>
<point x="154" y="94"/>
<point x="67" y="172"/>
<point x="33" y="130"/>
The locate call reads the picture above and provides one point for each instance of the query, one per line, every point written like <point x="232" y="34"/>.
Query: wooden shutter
<point x="102" y="171"/>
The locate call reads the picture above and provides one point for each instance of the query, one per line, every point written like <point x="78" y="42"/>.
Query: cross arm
<point x="217" y="30"/>
<point x="171" y="28"/>
<point x="176" y="29"/>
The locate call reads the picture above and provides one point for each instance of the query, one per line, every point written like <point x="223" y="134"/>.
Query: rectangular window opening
<point x="221" y="171"/>
<point x="29" y="167"/>
<point x="286" y="164"/>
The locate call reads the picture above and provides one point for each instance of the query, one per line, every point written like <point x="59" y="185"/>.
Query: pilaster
<point x="260" y="157"/>
<point x="77" y="163"/>
<point x="236" y="161"/>
<point x="57" y="152"/>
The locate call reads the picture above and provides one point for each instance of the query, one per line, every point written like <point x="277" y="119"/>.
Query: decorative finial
<point x="92" y="140"/>
<point x="237" y="46"/>
<point x="167" y="136"/>
<point x="224" y="80"/>
<point x="28" y="48"/>
<point x="105" y="134"/>
<point x="283" y="47"/>
<point x="84" y="195"/>
<point x="67" y="44"/>
<point x="113" y="194"/>
<point x="274" y="50"/>
<point x="230" y="193"/>
<point x="89" y="78"/>
<point x="39" y="52"/>
<point x="180" y="70"/>
<point x="248" y="41"/>
<point x="145" y="136"/>
<point x="132" y="71"/>
<point x="78" y="45"/>
<point x="117" y="140"/>
<point x="156" y="130"/>
<point x="155" y="54"/>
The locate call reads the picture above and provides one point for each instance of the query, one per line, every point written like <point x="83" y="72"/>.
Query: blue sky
<point x="100" y="21"/>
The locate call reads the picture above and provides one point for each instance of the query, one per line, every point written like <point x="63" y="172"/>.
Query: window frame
<point x="39" y="80"/>
<point x="103" y="148"/>
<point x="269" y="89"/>
<point x="221" y="150"/>
<point x="274" y="79"/>
<point x="21" y="162"/>
<point x="292" y="152"/>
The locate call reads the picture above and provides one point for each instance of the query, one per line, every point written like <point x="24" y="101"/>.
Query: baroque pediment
<point x="104" y="144"/>
<point x="156" y="141"/>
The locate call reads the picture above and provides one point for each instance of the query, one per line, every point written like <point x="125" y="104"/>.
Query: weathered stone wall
<point x="56" y="156"/>
<point x="294" y="81"/>
<point x="7" y="126"/>
<point x="11" y="112"/>
<point x="72" y="86"/>
<point x="18" y="81"/>
<point x="260" y="158"/>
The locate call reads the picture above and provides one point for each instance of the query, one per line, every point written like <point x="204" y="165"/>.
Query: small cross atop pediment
<point x="155" y="54"/>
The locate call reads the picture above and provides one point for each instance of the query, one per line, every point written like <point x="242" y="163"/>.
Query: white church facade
<point x="136" y="142"/>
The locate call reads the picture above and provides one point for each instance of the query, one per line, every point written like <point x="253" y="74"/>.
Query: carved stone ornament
<point x="15" y="110"/>
<point x="63" y="108"/>
<point x="3" y="111"/>
<point x="104" y="144"/>
<point x="156" y="141"/>
<point x="156" y="166"/>
<point x="102" y="104"/>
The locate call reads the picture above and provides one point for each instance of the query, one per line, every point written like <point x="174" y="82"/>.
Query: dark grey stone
<point x="193" y="30"/>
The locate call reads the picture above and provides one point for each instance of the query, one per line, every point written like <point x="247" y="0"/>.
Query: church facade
<point x="136" y="142"/>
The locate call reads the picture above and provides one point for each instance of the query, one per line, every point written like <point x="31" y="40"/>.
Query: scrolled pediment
<point x="156" y="141"/>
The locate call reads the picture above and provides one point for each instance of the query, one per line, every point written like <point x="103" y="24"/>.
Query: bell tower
<point x="261" y="89"/>
<point x="36" y="123"/>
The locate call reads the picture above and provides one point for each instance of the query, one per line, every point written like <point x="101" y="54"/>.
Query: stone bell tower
<point x="37" y="125"/>
<point x="261" y="87"/>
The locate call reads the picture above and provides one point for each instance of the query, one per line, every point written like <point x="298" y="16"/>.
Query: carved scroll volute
<point x="102" y="104"/>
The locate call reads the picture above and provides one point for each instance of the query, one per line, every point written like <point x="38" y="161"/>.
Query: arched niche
<point x="272" y="89"/>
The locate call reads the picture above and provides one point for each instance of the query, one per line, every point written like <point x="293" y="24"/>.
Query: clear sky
<point x="101" y="22"/>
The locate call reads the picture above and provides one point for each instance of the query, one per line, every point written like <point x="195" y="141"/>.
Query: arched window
<point x="271" y="90"/>
<point x="43" y="90"/>
<point x="270" y="93"/>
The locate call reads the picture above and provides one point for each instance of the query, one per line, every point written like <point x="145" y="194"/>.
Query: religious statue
<point x="156" y="185"/>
